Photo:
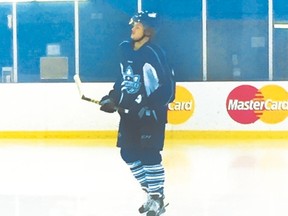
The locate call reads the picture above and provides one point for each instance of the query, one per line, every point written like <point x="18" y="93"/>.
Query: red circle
<point x="238" y="104"/>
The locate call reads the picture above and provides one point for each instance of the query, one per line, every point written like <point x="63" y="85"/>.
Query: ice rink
<point x="88" y="178"/>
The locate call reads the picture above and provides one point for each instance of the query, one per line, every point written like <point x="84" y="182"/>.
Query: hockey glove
<point x="107" y="104"/>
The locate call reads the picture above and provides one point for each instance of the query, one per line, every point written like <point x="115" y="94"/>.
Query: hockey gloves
<point x="107" y="104"/>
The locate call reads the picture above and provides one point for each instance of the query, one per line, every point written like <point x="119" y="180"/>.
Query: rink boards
<point x="208" y="110"/>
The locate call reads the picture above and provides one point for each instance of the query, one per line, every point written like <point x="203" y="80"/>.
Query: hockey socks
<point x="155" y="177"/>
<point x="138" y="172"/>
<point x="150" y="177"/>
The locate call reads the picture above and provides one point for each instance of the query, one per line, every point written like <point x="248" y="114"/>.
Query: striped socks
<point x="150" y="177"/>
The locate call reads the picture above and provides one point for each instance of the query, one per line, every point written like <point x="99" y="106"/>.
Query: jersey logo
<point x="131" y="82"/>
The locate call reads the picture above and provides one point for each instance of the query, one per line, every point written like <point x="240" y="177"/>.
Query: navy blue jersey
<point x="145" y="78"/>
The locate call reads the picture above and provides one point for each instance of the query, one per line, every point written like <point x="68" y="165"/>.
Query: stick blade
<point x="78" y="83"/>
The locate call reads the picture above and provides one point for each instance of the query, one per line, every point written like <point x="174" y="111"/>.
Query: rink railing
<point x="201" y="110"/>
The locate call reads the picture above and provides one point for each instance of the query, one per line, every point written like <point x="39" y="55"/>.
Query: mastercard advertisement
<point x="237" y="104"/>
<point x="182" y="108"/>
<point x="247" y="104"/>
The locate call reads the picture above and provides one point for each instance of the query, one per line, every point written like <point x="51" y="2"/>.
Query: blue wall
<point x="237" y="32"/>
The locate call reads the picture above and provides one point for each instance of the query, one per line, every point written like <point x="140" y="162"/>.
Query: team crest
<point x="131" y="83"/>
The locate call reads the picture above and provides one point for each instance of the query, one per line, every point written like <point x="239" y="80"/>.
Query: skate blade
<point x="162" y="210"/>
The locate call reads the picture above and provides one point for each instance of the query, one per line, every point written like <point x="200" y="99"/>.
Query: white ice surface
<point x="220" y="180"/>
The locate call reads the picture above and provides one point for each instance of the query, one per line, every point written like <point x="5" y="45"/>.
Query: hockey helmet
<point x="148" y="19"/>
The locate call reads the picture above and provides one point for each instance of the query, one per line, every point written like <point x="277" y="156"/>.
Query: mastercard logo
<point x="246" y="104"/>
<point x="182" y="108"/>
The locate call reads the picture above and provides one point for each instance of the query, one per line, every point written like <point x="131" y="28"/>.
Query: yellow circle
<point x="276" y="104"/>
<point x="182" y="108"/>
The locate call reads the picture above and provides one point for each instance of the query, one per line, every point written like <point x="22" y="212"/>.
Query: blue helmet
<point x="148" y="19"/>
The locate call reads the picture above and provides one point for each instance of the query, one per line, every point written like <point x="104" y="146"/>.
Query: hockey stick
<point x="79" y="86"/>
<point x="83" y="97"/>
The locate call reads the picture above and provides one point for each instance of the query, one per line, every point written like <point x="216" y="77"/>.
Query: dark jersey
<point x="145" y="79"/>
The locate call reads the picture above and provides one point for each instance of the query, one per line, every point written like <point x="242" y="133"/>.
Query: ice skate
<point x="157" y="206"/>
<point x="146" y="206"/>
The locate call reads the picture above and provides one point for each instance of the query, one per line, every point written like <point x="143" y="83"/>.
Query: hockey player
<point x="145" y="87"/>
